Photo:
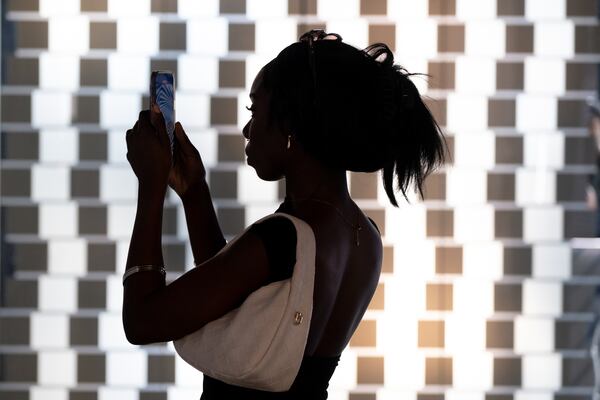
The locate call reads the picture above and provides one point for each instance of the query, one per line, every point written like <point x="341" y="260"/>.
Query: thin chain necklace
<point x="357" y="228"/>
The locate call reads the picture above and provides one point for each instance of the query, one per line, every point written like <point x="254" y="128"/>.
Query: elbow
<point x="134" y="328"/>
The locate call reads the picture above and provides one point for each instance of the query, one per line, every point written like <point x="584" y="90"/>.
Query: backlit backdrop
<point x="483" y="295"/>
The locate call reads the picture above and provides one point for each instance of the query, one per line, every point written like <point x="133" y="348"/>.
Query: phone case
<point x="162" y="94"/>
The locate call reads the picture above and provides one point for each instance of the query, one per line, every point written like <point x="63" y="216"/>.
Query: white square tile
<point x="465" y="290"/>
<point x="552" y="260"/>
<point x="57" y="293"/>
<point x="408" y="10"/>
<point x="414" y="223"/>
<point x="408" y="47"/>
<point x="466" y="112"/>
<point x="392" y="335"/>
<point x="555" y="39"/>
<point x="483" y="260"/>
<point x="119" y="109"/>
<point x="251" y="188"/>
<point x="49" y="330"/>
<point x="475" y="150"/>
<point x="539" y="10"/>
<point x="59" y="145"/>
<point x="52" y="8"/>
<point x="536" y="112"/>
<point x="57" y="220"/>
<point x="533" y="395"/>
<point x="67" y="257"/>
<point x="354" y="31"/>
<point x="193" y="110"/>
<point x="117" y="146"/>
<point x="126" y="368"/>
<point x="118" y="183"/>
<point x="331" y="9"/>
<point x="464" y="334"/>
<point x="192" y="8"/>
<point x="473" y="222"/>
<point x="404" y="373"/>
<point x="461" y="394"/>
<point x="257" y="9"/>
<point x="111" y="334"/>
<point x="255" y="212"/>
<point x="345" y="374"/>
<point x="122" y="254"/>
<point x="177" y="393"/>
<point x="268" y="44"/>
<point x="50" y="183"/>
<point x="51" y="108"/>
<point x="58" y="71"/>
<point x="120" y="220"/>
<point x="130" y="8"/>
<point x="70" y="34"/>
<point x="49" y="374"/>
<point x="484" y="68"/>
<point x="48" y="393"/>
<point x="472" y="371"/>
<point x="112" y="393"/>
<point x="486" y="37"/>
<point x="544" y="150"/>
<point x="545" y="76"/>
<point x="475" y="9"/>
<point x="535" y="186"/>
<point x="215" y="28"/>
<point x="533" y="335"/>
<point x="405" y="296"/>
<point x="543" y="223"/>
<point x="542" y="371"/>
<point x="542" y="298"/>
<point x="186" y="375"/>
<point x="137" y="35"/>
<point x="114" y="291"/>
<point x="465" y="186"/>
<point x="199" y="73"/>
<point x="128" y="72"/>
<point x="418" y="260"/>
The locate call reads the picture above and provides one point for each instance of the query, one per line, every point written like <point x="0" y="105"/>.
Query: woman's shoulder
<point x="278" y="236"/>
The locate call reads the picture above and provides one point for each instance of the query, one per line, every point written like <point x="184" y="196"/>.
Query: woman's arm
<point x="205" y="233"/>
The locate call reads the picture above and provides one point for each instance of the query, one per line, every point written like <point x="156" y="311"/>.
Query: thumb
<point x="183" y="139"/>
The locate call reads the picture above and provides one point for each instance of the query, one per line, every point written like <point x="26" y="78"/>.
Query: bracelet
<point x="147" y="267"/>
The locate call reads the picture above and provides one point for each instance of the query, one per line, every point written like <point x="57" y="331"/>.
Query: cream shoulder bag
<point x="260" y="345"/>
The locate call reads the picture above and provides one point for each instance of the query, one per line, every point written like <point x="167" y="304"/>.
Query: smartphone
<point x="162" y="98"/>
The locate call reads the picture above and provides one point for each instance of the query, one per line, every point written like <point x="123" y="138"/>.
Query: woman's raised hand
<point x="149" y="151"/>
<point x="187" y="170"/>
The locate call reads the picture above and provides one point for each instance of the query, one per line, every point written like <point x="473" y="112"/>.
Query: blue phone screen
<point x="165" y="99"/>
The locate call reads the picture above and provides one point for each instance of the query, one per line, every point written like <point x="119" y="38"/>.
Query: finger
<point x="144" y="123"/>
<point x="185" y="143"/>
<point x="158" y="121"/>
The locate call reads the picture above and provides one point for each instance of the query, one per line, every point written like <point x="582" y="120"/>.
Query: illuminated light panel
<point x="68" y="256"/>
<point x="485" y="37"/>
<point x="119" y="109"/>
<point x="552" y="260"/>
<point x="535" y="186"/>
<point x="466" y="186"/>
<point x="69" y="35"/>
<point x="118" y="183"/>
<point x="59" y="71"/>
<point x="481" y="67"/>
<point x="543" y="223"/>
<point x="466" y="112"/>
<point x="128" y="73"/>
<point x="57" y="293"/>
<point x="332" y="9"/>
<point x="542" y="298"/>
<point x="483" y="260"/>
<point x="198" y="30"/>
<point x="126" y="368"/>
<point x="197" y="73"/>
<point x="533" y="335"/>
<point x="474" y="150"/>
<point x="544" y="150"/>
<point x="137" y="35"/>
<point x="251" y="189"/>
<point x="529" y="109"/>
<point x="556" y="39"/>
<point x="120" y="220"/>
<point x="50" y="182"/>
<point x="59" y="145"/>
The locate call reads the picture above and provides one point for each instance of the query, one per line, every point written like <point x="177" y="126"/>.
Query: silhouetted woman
<point x="319" y="109"/>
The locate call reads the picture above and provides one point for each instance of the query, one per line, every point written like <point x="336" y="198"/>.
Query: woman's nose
<point x="245" y="131"/>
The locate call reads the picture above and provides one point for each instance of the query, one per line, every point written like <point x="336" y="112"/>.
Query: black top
<point x="279" y="238"/>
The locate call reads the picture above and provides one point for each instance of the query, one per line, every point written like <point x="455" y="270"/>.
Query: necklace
<point x="357" y="228"/>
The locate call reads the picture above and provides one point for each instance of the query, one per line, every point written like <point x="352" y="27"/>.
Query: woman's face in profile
<point x="266" y="145"/>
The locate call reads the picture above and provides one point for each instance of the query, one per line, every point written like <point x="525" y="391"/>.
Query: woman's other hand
<point x="149" y="150"/>
<point x="188" y="170"/>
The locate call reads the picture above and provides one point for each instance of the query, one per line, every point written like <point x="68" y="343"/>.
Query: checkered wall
<point x="483" y="295"/>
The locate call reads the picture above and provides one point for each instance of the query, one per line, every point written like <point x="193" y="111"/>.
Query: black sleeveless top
<point x="279" y="238"/>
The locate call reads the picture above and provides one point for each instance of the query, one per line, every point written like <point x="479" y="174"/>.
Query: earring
<point x="288" y="144"/>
